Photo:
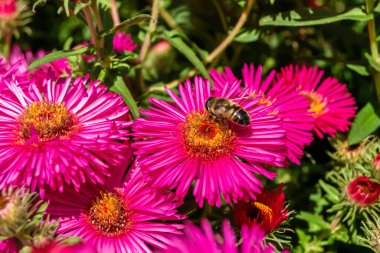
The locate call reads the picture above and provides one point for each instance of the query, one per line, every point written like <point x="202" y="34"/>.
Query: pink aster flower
<point x="123" y="42"/>
<point x="179" y="142"/>
<point x="120" y="216"/>
<point x="203" y="239"/>
<point x="66" y="133"/>
<point x="56" y="68"/>
<point x="289" y="106"/>
<point x="331" y="104"/>
<point x="8" y="246"/>
<point x="55" y="247"/>
<point x="7" y="9"/>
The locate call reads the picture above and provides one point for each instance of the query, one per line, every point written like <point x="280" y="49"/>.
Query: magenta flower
<point x="331" y="104"/>
<point x="7" y="9"/>
<point x="56" y="68"/>
<point x="55" y="247"/>
<point x="120" y="216"/>
<point x="203" y="239"/>
<point x="363" y="191"/>
<point x="68" y="133"/>
<point x="123" y="42"/>
<point x="289" y="106"/>
<point x="178" y="143"/>
<point x="8" y="246"/>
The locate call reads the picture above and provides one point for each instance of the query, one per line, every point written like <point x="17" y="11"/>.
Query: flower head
<point x="56" y="68"/>
<point x="7" y="9"/>
<point x="268" y="211"/>
<point x="55" y="247"/>
<point x="8" y="246"/>
<point x="123" y="42"/>
<point x="363" y="191"/>
<point x="14" y="15"/>
<point x="287" y="104"/>
<point x="66" y="133"/>
<point x="118" y="216"/>
<point x="203" y="239"/>
<point x="180" y="142"/>
<point x="330" y="103"/>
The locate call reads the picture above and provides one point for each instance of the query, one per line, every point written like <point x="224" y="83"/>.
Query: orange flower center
<point x="48" y="120"/>
<point x="317" y="103"/>
<point x="259" y="211"/>
<point x="108" y="214"/>
<point x="203" y="137"/>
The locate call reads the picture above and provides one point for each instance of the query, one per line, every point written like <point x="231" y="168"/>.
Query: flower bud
<point x="268" y="211"/>
<point x="363" y="191"/>
<point x="11" y="214"/>
<point x="8" y="246"/>
<point x="7" y="9"/>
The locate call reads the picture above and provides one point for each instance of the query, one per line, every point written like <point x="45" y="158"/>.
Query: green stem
<point x="234" y="32"/>
<point x="93" y="32"/>
<point x="373" y="45"/>
<point x="99" y="23"/>
<point x="146" y="44"/>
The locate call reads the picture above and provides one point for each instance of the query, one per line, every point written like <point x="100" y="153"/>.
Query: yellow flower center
<point x="317" y="103"/>
<point x="108" y="214"/>
<point x="206" y="138"/>
<point x="259" y="211"/>
<point x="46" y="119"/>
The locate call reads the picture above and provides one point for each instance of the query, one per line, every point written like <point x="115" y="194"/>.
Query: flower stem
<point x="146" y="44"/>
<point x="373" y="45"/>
<point x="91" y="27"/>
<point x="114" y="13"/>
<point x="218" y="50"/>
<point x="99" y="23"/>
<point x="234" y="32"/>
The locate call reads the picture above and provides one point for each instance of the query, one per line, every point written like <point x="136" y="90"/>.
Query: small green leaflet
<point x="365" y="123"/>
<point x="372" y="62"/>
<point x="123" y="25"/>
<point x="248" y="36"/>
<point x="309" y="17"/>
<point x="359" y="69"/>
<point x="57" y="55"/>
<point x="122" y="89"/>
<point x="181" y="46"/>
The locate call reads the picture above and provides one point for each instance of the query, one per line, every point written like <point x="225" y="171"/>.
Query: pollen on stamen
<point x="108" y="214"/>
<point x="317" y="103"/>
<point x="260" y="211"/>
<point x="206" y="138"/>
<point x="48" y="120"/>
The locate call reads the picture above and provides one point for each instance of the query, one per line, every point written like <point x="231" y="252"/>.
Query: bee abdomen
<point x="240" y="116"/>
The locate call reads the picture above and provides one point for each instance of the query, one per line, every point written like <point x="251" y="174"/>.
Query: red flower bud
<point x="267" y="211"/>
<point x="363" y="191"/>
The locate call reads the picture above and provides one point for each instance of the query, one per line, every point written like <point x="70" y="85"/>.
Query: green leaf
<point x="372" y="62"/>
<point x="248" y="36"/>
<point x="71" y="240"/>
<point x="359" y="69"/>
<point x="333" y="193"/>
<point x="122" y="89"/>
<point x="57" y="55"/>
<point x="309" y="17"/>
<point x="123" y="25"/>
<point x="181" y="46"/>
<point x="365" y="123"/>
<point x="316" y="222"/>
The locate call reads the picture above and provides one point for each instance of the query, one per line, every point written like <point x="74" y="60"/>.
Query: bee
<point x="225" y="109"/>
